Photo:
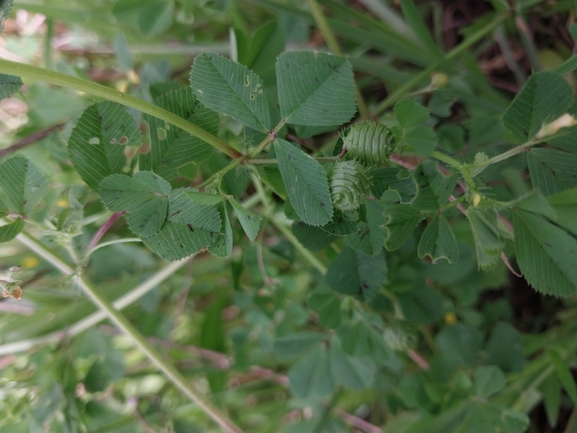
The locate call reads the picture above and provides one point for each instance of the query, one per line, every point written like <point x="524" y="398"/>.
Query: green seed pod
<point x="350" y="184"/>
<point x="370" y="143"/>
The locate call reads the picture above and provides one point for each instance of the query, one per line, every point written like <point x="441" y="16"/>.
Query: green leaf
<point x="155" y="18"/>
<point x="535" y="202"/>
<point x="433" y="187"/>
<point x="222" y="246"/>
<point x="98" y="377"/>
<point x="460" y="342"/>
<point x="507" y="420"/>
<point x="315" y="89"/>
<point x="372" y="232"/>
<point x="402" y="220"/>
<point x="312" y="238"/>
<point x="551" y="390"/>
<point x="570" y="64"/>
<point x="306" y="184"/>
<point x="190" y="208"/>
<point x="250" y="222"/>
<point x="421" y="306"/>
<point x="438" y="241"/>
<point x="146" y="219"/>
<point x="339" y="225"/>
<point x="312" y="374"/>
<point x="565" y="139"/>
<point x="546" y="254"/>
<point x="296" y="344"/>
<point x="564" y="375"/>
<point x="176" y="241"/>
<point x="232" y="89"/>
<point x="545" y="97"/>
<point x="505" y="348"/>
<point x="421" y="138"/>
<point x="488" y="380"/>
<point x="328" y="305"/>
<point x="484" y="131"/>
<point x="488" y="242"/>
<point x="552" y="170"/>
<point x="171" y="147"/>
<point x="410" y="113"/>
<point x="9" y="84"/>
<point x="354" y="273"/>
<point x="120" y="192"/>
<point x="122" y="52"/>
<point x="266" y="44"/>
<point x="352" y="372"/>
<point x="24" y="185"/>
<point x="415" y="21"/>
<point x="398" y="180"/>
<point x="5" y="7"/>
<point x="98" y="141"/>
<point x="10" y="231"/>
<point x="564" y="205"/>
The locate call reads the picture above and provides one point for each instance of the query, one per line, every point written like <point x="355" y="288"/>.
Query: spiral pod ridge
<point x="350" y="184"/>
<point x="370" y="143"/>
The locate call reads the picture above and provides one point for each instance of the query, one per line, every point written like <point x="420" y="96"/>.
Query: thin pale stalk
<point x="137" y="338"/>
<point x="40" y="74"/>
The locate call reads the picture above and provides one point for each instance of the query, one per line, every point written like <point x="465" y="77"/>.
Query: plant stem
<point x="102" y="230"/>
<point x="478" y="168"/>
<point x="455" y="52"/>
<point x="31" y="139"/>
<point x="243" y="158"/>
<point x="274" y="161"/>
<point x="333" y="45"/>
<point x="92" y="320"/>
<point x="105" y="244"/>
<point x="95" y="89"/>
<point x="307" y="255"/>
<point x="137" y="338"/>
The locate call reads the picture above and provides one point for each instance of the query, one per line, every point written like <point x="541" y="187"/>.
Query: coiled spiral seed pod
<point x="350" y="184"/>
<point x="370" y="143"/>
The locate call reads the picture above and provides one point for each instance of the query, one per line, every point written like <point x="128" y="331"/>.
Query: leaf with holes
<point x="98" y="142"/>
<point x="306" y="184"/>
<point x="171" y="148"/>
<point x="315" y="89"/>
<point x="23" y="183"/>
<point x="229" y="88"/>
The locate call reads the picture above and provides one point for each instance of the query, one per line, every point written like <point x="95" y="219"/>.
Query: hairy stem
<point x="137" y="338"/>
<point x="35" y="73"/>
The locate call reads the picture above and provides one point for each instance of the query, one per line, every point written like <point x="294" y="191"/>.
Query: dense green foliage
<point x="342" y="249"/>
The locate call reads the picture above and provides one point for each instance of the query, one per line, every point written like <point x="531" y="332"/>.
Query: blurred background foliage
<point x="444" y="348"/>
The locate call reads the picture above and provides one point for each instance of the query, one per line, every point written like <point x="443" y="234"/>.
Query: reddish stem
<point x="102" y="230"/>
